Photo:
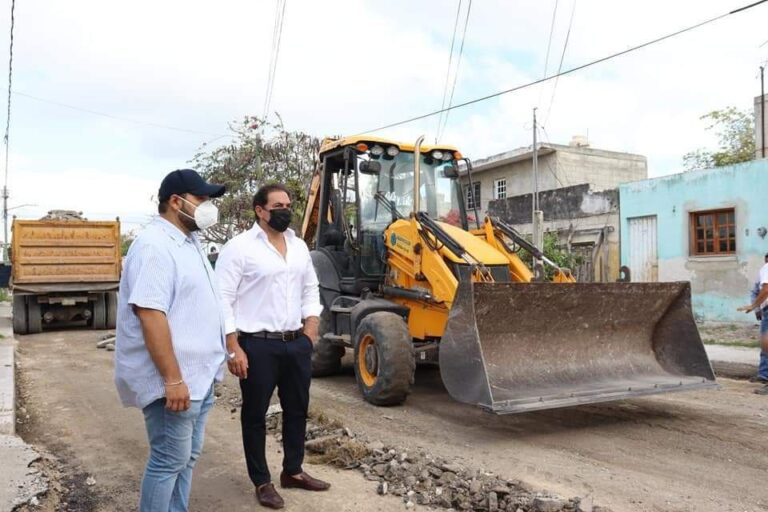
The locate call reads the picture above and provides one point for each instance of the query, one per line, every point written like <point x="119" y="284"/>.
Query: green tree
<point x="735" y="134"/>
<point x="260" y="152"/>
<point x="553" y="250"/>
<point x="125" y="242"/>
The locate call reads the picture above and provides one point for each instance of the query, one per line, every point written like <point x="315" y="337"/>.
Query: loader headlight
<point x="447" y="156"/>
<point x="393" y="151"/>
<point x="377" y="150"/>
<point x="437" y="154"/>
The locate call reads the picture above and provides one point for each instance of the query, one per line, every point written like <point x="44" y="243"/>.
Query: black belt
<point x="267" y="335"/>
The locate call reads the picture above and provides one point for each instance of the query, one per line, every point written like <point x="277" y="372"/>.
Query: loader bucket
<point x="516" y="347"/>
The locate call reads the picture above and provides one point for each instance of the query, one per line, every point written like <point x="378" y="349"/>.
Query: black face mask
<point x="280" y="219"/>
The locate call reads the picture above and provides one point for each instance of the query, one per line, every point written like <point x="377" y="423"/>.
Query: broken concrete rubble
<point x="421" y="478"/>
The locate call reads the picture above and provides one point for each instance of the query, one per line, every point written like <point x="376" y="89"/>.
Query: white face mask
<point x="206" y="214"/>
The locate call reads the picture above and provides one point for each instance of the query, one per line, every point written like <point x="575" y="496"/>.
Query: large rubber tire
<point x="326" y="357"/>
<point x="384" y="359"/>
<point x="111" y="298"/>
<point x="34" y="315"/>
<point x="20" y="314"/>
<point x="100" y="312"/>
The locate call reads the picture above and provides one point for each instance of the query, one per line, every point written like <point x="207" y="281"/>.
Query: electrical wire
<point x="566" y="72"/>
<point x="275" y="24"/>
<point x="456" y="75"/>
<point x="274" y="58"/>
<point x="560" y="66"/>
<point x="117" y="118"/>
<point x="549" y="46"/>
<point x="448" y="70"/>
<point x="6" y="138"/>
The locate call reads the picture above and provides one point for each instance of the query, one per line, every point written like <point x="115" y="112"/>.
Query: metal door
<point x="643" y="256"/>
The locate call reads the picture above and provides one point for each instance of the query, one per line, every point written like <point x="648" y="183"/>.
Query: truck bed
<point x="48" y="252"/>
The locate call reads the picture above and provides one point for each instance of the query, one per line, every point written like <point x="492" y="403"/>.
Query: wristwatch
<point x="230" y="356"/>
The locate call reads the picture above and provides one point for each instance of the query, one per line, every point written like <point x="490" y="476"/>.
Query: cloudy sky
<point x="169" y="75"/>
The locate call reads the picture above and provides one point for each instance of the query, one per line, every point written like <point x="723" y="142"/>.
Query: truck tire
<point x="19" y="314"/>
<point x="111" y="310"/>
<point x="34" y="315"/>
<point x="326" y="357"/>
<point x="100" y="312"/>
<point x="384" y="360"/>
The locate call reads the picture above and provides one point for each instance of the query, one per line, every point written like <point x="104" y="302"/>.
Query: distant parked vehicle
<point x="65" y="271"/>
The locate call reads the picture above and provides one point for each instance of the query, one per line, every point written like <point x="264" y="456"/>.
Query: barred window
<point x="473" y="199"/>
<point x="500" y="188"/>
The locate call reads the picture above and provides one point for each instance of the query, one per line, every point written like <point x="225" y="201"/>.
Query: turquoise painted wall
<point x="719" y="284"/>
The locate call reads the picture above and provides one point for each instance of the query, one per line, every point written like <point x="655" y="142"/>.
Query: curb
<point x="7" y="372"/>
<point x="7" y="390"/>
<point x="734" y="370"/>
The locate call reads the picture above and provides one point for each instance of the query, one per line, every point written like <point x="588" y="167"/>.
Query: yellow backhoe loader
<point x="408" y="275"/>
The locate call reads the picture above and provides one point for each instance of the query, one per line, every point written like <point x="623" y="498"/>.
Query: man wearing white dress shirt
<point x="271" y="305"/>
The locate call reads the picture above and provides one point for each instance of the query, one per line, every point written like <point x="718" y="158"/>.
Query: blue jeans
<point x="762" y="370"/>
<point x="175" y="443"/>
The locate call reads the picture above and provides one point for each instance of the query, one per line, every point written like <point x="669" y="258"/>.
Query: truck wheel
<point x="19" y="314"/>
<point x="100" y="312"/>
<point x="34" y="316"/>
<point x="384" y="360"/>
<point x="326" y="357"/>
<point x="111" y="298"/>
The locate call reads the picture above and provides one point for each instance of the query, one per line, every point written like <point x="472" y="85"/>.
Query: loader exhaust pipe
<point x="417" y="174"/>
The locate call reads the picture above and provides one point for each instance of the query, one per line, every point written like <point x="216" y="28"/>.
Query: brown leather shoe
<point x="268" y="497"/>
<point x="304" y="481"/>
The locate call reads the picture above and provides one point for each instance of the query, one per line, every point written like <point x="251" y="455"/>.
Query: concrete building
<point x="708" y="227"/>
<point x="577" y="193"/>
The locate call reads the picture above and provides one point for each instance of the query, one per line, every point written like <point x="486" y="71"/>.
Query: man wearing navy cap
<point x="170" y="336"/>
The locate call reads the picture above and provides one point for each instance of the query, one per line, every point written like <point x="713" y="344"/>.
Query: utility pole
<point x="537" y="220"/>
<point x="762" y="112"/>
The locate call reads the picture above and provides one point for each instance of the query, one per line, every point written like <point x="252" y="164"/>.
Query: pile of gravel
<point x="420" y="478"/>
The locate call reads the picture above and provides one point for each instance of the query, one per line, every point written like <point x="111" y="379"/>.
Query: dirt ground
<point x="696" y="451"/>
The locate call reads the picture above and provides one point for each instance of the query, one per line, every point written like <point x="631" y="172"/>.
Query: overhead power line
<point x="567" y="71"/>
<point x="117" y="118"/>
<point x="549" y="47"/>
<point x="458" y="65"/>
<point x="277" y="33"/>
<point x="6" y="138"/>
<point x="448" y="70"/>
<point x="560" y="66"/>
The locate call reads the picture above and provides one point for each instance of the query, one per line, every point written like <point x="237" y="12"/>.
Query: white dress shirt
<point x="167" y="271"/>
<point x="261" y="290"/>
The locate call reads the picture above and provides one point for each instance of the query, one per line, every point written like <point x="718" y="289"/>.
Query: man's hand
<point x="177" y="397"/>
<point x="746" y="309"/>
<point x="238" y="364"/>
<point x="311" y="325"/>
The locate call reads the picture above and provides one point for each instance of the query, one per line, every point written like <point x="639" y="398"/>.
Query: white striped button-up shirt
<point x="167" y="271"/>
<point x="261" y="290"/>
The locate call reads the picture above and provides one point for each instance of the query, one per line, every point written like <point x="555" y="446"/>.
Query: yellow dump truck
<point x="65" y="271"/>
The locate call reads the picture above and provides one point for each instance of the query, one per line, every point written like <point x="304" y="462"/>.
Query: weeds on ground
<point x="745" y="343"/>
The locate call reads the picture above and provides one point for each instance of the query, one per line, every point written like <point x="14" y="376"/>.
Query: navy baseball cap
<point x="187" y="181"/>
